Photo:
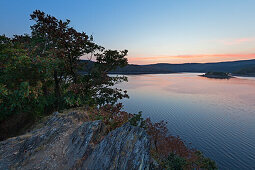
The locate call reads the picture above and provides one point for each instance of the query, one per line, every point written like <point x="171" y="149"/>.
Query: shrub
<point x="111" y="115"/>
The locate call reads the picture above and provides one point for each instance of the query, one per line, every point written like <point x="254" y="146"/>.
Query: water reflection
<point x="216" y="115"/>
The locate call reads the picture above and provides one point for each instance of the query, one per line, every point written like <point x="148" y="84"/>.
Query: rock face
<point x="124" y="148"/>
<point x="66" y="142"/>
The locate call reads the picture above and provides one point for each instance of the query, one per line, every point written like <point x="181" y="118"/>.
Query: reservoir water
<point x="217" y="116"/>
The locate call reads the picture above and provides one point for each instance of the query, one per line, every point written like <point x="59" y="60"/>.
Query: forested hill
<point x="231" y="67"/>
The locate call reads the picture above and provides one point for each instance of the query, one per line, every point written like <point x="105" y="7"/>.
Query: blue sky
<point x="152" y="30"/>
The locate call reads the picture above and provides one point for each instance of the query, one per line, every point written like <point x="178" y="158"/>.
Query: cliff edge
<point x="67" y="141"/>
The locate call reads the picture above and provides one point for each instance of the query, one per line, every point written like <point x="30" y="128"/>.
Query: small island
<point x="217" y="75"/>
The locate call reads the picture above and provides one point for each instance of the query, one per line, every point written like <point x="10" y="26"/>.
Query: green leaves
<point x="24" y="89"/>
<point x="174" y="162"/>
<point x="39" y="72"/>
<point x="137" y="120"/>
<point x="22" y="79"/>
<point x="111" y="59"/>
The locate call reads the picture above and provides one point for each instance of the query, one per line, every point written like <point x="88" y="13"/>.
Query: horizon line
<point x="198" y="62"/>
<point x="199" y="58"/>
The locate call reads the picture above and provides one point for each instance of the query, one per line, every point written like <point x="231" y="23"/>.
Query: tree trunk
<point x="57" y="89"/>
<point x="74" y="75"/>
<point x="71" y="65"/>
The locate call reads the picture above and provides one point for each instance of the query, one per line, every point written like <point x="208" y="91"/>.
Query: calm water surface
<point x="216" y="116"/>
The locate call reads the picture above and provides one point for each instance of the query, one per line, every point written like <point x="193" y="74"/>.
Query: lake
<point x="217" y="116"/>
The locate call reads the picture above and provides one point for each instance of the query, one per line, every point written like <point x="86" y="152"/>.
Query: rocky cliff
<point x="67" y="141"/>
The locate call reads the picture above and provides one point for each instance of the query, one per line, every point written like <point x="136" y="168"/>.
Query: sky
<point x="153" y="31"/>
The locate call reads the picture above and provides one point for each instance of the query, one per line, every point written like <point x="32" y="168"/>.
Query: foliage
<point x="171" y="152"/>
<point x="39" y="73"/>
<point x="217" y="74"/>
<point x="137" y="120"/>
<point x="95" y="87"/>
<point x="20" y="82"/>
<point x="174" y="162"/>
<point x="111" y="115"/>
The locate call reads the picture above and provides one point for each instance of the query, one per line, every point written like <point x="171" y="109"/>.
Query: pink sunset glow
<point x="201" y="58"/>
<point x="238" y="41"/>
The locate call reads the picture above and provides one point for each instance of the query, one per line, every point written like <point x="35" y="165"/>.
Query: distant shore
<point x="141" y="73"/>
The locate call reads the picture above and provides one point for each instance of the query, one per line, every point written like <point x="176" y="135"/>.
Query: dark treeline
<point x="230" y="67"/>
<point x="250" y="70"/>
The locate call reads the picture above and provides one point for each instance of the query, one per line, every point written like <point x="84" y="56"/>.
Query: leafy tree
<point x="56" y="40"/>
<point x="39" y="73"/>
<point x="21" y="80"/>
<point x="65" y="45"/>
